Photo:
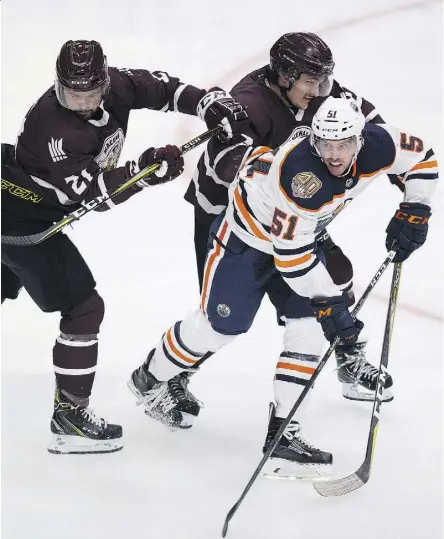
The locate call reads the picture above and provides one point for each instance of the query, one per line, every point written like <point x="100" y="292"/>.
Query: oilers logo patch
<point x="305" y="185"/>
<point x="223" y="310"/>
<point x="354" y="106"/>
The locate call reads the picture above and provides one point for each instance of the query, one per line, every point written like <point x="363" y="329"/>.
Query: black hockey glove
<point x="217" y="107"/>
<point x="171" y="165"/>
<point x="336" y="319"/>
<point x="407" y="229"/>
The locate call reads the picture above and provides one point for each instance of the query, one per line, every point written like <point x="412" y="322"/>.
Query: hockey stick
<point x="338" y="487"/>
<point x="302" y="396"/>
<point x="35" y="239"/>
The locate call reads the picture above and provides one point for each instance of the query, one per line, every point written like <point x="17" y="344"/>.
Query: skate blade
<point x="62" y="444"/>
<point x="359" y="393"/>
<point x="284" y="469"/>
<point x="187" y="420"/>
<point x="162" y="419"/>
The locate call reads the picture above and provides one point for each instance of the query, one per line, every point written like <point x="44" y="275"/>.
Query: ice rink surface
<point x="180" y="485"/>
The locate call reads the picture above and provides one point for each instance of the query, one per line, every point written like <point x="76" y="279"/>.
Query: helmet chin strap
<point x="283" y="89"/>
<point x="352" y="162"/>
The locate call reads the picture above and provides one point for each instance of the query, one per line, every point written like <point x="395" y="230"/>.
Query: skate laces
<point x="179" y="388"/>
<point x="359" y="366"/>
<point x="293" y="434"/>
<point x="90" y="415"/>
<point x="158" y="398"/>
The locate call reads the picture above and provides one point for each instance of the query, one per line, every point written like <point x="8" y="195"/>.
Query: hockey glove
<point x="217" y="107"/>
<point x="407" y="229"/>
<point x="335" y="319"/>
<point x="171" y="165"/>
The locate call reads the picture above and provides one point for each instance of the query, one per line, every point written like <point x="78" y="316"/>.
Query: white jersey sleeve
<point x="416" y="163"/>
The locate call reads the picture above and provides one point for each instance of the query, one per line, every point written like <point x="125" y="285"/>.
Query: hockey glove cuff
<point x="335" y="319"/>
<point x="217" y="107"/>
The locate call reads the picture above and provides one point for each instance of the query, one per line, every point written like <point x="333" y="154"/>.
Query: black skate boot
<point x="170" y="402"/>
<point x="358" y="376"/>
<point x="294" y="457"/>
<point x="77" y="430"/>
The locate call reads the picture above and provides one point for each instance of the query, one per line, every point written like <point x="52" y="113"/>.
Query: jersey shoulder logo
<point x="305" y="185"/>
<point x="56" y="150"/>
<point x="299" y="133"/>
<point x="112" y="148"/>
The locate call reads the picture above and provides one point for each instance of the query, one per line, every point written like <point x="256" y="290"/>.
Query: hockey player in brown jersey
<point x="281" y="99"/>
<point x="66" y="155"/>
<point x="278" y="203"/>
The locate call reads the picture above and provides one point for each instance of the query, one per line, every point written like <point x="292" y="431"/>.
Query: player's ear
<point x="284" y="81"/>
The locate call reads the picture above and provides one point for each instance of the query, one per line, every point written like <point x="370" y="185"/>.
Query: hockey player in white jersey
<point x="279" y="202"/>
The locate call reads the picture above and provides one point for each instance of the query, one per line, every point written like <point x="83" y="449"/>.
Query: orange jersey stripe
<point x="247" y="216"/>
<point x="300" y="368"/>
<point x="291" y="263"/>
<point x="376" y="172"/>
<point x="210" y="264"/>
<point x="176" y="351"/>
<point x="265" y="161"/>
<point x="429" y="164"/>
<point x="259" y="151"/>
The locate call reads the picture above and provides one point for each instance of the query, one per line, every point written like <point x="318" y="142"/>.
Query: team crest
<point x="305" y="185"/>
<point x="223" y="310"/>
<point x="354" y="106"/>
<point x="111" y="150"/>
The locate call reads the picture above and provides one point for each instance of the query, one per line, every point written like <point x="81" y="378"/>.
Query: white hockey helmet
<point x="338" y="118"/>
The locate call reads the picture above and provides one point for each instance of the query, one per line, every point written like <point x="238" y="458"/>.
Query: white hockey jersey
<point x="282" y="199"/>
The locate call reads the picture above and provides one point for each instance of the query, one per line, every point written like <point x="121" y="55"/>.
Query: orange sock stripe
<point x="292" y="367"/>
<point x="176" y="351"/>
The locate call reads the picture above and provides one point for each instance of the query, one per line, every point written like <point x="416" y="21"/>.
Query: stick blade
<point x="339" y="487"/>
<point x="228" y="518"/>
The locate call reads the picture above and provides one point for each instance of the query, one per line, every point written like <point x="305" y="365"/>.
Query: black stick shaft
<point x="364" y="471"/>
<point x="302" y="396"/>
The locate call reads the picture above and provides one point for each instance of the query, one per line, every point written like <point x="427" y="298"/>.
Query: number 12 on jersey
<point x="282" y="221"/>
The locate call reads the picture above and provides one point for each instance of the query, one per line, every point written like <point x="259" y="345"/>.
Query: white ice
<point x="180" y="485"/>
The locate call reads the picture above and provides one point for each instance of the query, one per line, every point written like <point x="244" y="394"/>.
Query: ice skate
<point x="77" y="430"/>
<point x="294" y="457"/>
<point x="170" y="402"/>
<point x="358" y="376"/>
